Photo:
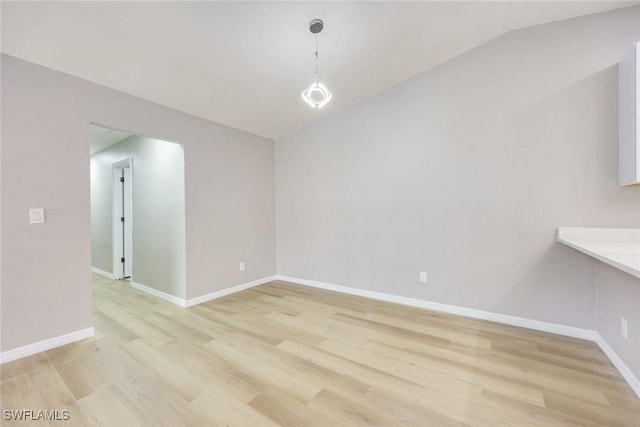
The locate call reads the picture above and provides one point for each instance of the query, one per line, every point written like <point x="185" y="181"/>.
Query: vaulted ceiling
<point x="245" y="64"/>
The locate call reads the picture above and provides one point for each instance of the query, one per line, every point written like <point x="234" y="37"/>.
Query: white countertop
<point x="618" y="247"/>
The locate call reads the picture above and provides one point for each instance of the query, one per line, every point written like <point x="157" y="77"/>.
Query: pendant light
<point x="317" y="95"/>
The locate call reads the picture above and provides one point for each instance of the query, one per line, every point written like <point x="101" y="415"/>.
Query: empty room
<point x="320" y="213"/>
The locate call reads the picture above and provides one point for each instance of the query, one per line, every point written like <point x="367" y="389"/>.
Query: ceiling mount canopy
<point x="316" y="26"/>
<point x="317" y="95"/>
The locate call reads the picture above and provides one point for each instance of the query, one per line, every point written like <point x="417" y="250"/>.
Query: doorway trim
<point x="116" y="205"/>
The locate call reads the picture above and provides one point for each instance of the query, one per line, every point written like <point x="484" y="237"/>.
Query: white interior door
<point x="127" y="213"/>
<point x="122" y="220"/>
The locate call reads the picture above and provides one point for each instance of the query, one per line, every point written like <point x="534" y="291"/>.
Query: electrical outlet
<point x="36" y="215"/>
<point x="242" y="266"/>
<point x="624" y="328"/>
<point x="423" y="277"/>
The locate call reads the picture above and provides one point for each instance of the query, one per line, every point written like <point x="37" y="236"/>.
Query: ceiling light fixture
<point x="317" y="95"/>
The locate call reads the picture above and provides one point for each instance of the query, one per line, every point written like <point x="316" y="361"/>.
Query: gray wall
<point x="101" y="214"/>
<point x="158" y="211"/>
<point x="619" y="296"/>
<point x="229" y="197"/>
<point x="466" y="171"/>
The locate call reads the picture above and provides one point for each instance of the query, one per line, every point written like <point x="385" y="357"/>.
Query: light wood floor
<point x="283" y="354"/>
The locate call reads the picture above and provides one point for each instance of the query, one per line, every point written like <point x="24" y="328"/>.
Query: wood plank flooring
<point x="287" y="355"/>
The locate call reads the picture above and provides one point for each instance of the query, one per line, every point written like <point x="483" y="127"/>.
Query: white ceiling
<point x="101" y="138"/>
<point x="244" y="64"/>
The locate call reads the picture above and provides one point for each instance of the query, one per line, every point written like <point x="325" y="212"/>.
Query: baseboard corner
<point x="228" y="291"/>
<point x="159" y="294"/>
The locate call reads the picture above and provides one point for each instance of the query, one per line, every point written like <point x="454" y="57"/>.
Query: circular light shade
<point x="317" y="95"/>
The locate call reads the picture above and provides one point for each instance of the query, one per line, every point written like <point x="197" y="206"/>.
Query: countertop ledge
<point x="618" y="247"/>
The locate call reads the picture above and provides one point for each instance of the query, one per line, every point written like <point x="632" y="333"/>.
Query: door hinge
<point x="121" y="219"/>
<point x="122" y="179"/>
<point x="122" y="259"/>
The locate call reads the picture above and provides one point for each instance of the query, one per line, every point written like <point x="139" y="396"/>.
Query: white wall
<point x="466" y="171"/>
<point x="46" y="275"/>
<point x="158" y="211"/>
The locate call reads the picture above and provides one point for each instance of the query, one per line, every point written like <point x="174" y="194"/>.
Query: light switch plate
<point x="36" y="215"/>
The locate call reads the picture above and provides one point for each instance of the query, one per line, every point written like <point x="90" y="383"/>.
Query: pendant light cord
<point x="316" y="59"/>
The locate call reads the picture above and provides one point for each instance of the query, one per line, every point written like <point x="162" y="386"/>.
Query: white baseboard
<point x="554" y="328"/>
<point x="462" y="311"/>
<point x="44" y="345"/>
<point x="203" y="298"/>
<point x="624" y="370"/>
<point x="159" y="294"/>
<point x="102" y="273"/>
<point x="223" y="292"/>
